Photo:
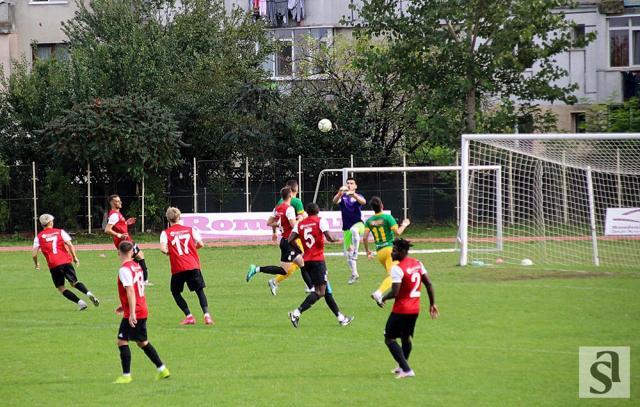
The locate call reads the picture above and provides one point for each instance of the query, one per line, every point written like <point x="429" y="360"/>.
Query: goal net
<point x="559" y="199"/>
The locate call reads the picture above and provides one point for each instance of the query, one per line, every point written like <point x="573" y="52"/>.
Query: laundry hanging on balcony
<point x="296" y="7"/>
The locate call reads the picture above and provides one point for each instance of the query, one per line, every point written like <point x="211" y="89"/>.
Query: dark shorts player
<point x="118" y="227"/>
<point x="57" y="249"/>
<point x="133" y="326"/>
<point x="181" y="244"/>
<point x="407" y="277"/>
<point x="312" y="231"/>
<point x="284" y="217"/>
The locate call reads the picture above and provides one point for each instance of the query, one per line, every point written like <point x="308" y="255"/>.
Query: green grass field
<point x="505" y="337"/>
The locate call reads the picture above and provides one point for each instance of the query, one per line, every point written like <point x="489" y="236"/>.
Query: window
<point x="290" y="60"/>
<point x="579" y="33"/>
<point x="624" y="41"/>
<point x="578" y="121"/>
<point x="50" y="51"/>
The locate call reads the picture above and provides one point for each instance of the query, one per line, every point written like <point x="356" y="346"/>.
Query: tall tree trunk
<point x="470" y="108"/>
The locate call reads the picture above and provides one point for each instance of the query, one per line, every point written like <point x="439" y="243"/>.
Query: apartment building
<point x="608" y="69"/>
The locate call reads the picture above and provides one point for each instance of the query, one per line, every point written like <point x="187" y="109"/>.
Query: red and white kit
<point x="311" y="233"/>
<point x="130" y="275"/>
<point x="181" y="241"/>
<point x="408" y="273"/>
<point x="51" y="242"/>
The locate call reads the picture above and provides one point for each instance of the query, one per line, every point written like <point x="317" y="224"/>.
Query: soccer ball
<point x="526" y="262"/>
<point x="324" y="125"/>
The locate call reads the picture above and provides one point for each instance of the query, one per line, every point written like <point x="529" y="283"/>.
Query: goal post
<point x="569" y="198"/>
<point x="493" y="170"/>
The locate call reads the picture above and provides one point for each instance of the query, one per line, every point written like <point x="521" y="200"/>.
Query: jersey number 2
<point x="415" y="290"/>
<point x="176" y="243"/>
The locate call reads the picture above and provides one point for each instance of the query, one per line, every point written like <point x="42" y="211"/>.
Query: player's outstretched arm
<point x="433" y="308"/>
<point x="338" y="195"/>
<point x="328" y="236"/>
<point x="403" y="226"/>
<point x="272" y="222"/>
<point x="109" y="230"/>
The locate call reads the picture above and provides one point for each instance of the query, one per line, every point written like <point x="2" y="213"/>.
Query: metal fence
<point x="78" y="198"/>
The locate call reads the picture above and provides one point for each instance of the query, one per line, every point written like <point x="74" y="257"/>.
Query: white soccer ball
<point x="526" y="262"/>
<point x="324" y="125"/>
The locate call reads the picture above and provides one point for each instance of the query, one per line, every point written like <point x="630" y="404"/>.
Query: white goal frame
<point x="466" y="168"/>
<point x="496" y="169"/>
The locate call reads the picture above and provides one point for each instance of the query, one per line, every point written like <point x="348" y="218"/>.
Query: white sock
<point x="126" y="374"/>
<point x="89" y="293"/>
<point x="257" y="269"/>
<point x="340" y="317"/>
<point x="161" y="368"/>
<point x="354" y="267"/>
<point x="190" y="316"/>
<point x="377" y="293"/>
<point x="207" y="315"/>
<point x="296" y="312"/>
<point x="355" y="238"/>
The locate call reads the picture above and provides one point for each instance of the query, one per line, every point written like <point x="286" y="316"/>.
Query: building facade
<point x="606" y="70"/>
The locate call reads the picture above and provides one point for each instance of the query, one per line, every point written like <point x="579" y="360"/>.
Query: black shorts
<point x="193" y="278"/>
<point x="317" y="272"/>
<point x="129" y="333"/>
<point x="400" y="325"/>
<point x="288" y="251"/>
<point x="58" y="274"/>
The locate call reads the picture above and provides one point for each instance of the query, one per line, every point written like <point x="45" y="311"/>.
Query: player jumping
<point x="59" y="252"/>
<point x="283" y="216"/>
<point x="134" y="322"/>
<point x="181" y="244"/>
<point x="384" y="229"/>
<point x="118" y="227"/>
<point x="407" y="276"/>
<point x="351" y="204"/>
<point x="312" y="232"/>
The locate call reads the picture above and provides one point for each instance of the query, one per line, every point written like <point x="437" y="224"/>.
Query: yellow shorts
<point x="384" y="257"/>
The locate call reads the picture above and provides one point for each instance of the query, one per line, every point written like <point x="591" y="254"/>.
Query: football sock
<point x="271" y="270"/>
<point x="143" y="266"/>
<point x="306" y="277"/>
<point x="181" y="303"/>
<point x="125" y="359"/>
<point x="355" y="240"/>
<point x="151" y="353"/>
<point x="396" y="352"/>
<point x="202" y="297"/>
<point x="70" y="296"/>
<point x="341" y="317"/>
<point x="81" y="287"/>
<point x="407" y="345"/>
<point x="292" y="267"/>
<point x="352" y="265"/>
<point x="309" y="301"/>
<point x="386" y="284"/>
<point x="331" y="302"/>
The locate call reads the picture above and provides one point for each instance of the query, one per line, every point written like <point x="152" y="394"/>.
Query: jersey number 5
<point x="176" y="243"/>
<point x="309" y="239"/>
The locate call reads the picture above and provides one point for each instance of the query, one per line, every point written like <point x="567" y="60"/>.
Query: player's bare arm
<point x="328" y="236"/>
<point x="199" y="244"/>
<point x="400" y="230"/>
<point x="338" y="195"/>
<point x="365" y="240"/>
<point x="131" y="298"/>
<point x="433" y="308"/>
<point x="34" y="255"/>
<point x="164" y="248"/>
<point x="72" y="250"/>
<point x="109" y="230"/>
<point x="293" y="236"/>
<point x="131" y="221"/>
<point x="359" y="198"/>
<point x="395" y="289"/>
<point x="272" y="222"/>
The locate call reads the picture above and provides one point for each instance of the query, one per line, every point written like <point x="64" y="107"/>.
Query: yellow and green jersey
<point x="382" y="227"/>
<point x="296" y="203"/>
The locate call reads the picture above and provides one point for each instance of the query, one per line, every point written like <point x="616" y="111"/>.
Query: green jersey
<point x="381" y="226"/>
<point x="296" y="203"/>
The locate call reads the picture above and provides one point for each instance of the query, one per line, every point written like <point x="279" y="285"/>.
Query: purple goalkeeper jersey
<point x="351" y="211"/>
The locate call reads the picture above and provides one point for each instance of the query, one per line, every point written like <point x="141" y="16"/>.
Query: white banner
<point x="622" y="222"/>
<point x="249" y="225"/>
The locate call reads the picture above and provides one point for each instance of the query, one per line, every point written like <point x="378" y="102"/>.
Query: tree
<point x="126" y="135"/>
<point x="457" y="54"/>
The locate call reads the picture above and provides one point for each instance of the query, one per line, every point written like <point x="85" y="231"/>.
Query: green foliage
<point x="155" y="203"/>
<point x="4" y="207"/>
<point x="60" y="197"/>
<point x="128" y="135"/>
<point x="508" y="117"/>
<point x="456" y="54"/>
<point x="613" y="117"/>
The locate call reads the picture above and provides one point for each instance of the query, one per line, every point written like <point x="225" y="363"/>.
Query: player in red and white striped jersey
<point x="57" y="249"/>
<point x="118" y="227"/>
<point x="181" y="244"/>
<point x="407" y="277"/>
<point x="312" y="232"/>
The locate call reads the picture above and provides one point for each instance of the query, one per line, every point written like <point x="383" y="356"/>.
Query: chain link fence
<point x="78" y="197"/>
